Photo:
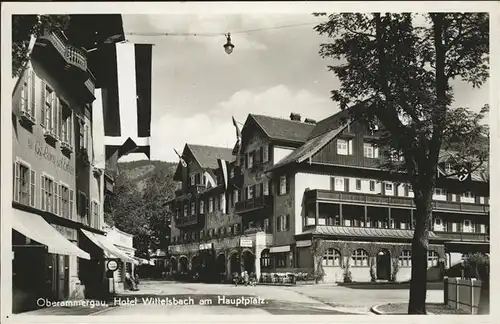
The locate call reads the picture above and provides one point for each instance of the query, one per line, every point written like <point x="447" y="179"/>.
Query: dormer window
<point x="447" y="167"/>
<point x="344" y="147"/>
<point x="370" y="151"/>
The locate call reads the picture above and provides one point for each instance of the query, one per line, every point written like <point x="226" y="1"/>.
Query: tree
<point x="396" y="73"/>
<point x="23" y="26"/>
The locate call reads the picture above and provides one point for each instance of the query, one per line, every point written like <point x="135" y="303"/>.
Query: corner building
<point x="313" y="200"/>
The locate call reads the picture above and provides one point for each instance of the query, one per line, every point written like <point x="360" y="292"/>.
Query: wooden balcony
<point x="66" y="62"/>
<point x="390" y="201"/>
<point x="191" y="220"/>
<point x="254" y="204"/>
<point x="464" y="237"/>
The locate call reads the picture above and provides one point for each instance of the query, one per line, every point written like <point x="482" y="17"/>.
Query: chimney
<point x="295" y="117"/>
<point x="310" y="121"/>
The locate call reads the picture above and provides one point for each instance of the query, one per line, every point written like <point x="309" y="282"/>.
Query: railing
<point x="70" y="53"/>
<point x="464" y="237"/>
<point x="392" y="201"/>
<point x="254" y="203"/>
<point x="188" y="220"/>
<point x="90" y="85"/>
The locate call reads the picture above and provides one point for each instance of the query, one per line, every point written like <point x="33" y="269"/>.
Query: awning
<point x="110" y="250"/>
<point x="278" y="249"/>
<point x="36" y="228"/>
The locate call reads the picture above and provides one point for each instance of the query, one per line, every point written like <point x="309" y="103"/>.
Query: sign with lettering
<point x="244" y="242"/>
<point x="304" y="243"/>
<point x="112" y="265"/>
<point x="206" y="246"/>
<point x="43" y="151"/>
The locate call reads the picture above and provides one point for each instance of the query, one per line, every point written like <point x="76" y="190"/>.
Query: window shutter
<point x="407" y="192"/>
<point x="42" y="191"/>
<point x="71" y="203"/>
<point x="346" y="184"/>
<point x="87" y="202"/>
<point x="56" y="199"/>
<point x="33" y="188"/>
<point x="55" y="116"/>
<point x="246" y="161"/>
<point x="382" y="186"/>
<point x="43" y="106"/>
<point x="350" y="147"/>
<point x="287" y="184"/>
<point x="261" y="189"/>
<point x="270" y="153"/>
<point x="261" y="154"/>
<point x="287" y="223"/>
<point x="32" y="101"/>
<point x="17" y="170"/>
<point x="477" y="199"/>
<point x="332" y="183"/>
<point x="278" y="223"/>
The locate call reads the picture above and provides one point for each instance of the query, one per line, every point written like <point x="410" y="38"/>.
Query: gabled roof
<point x="330" y="123"/>
<point x="482" y="174"/>
<point x="207" y="156"/>
<point x="283" y="129"/>
<point x="311" y="147"/>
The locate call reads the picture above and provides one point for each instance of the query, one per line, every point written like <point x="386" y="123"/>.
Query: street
<point x="163" y="298"/>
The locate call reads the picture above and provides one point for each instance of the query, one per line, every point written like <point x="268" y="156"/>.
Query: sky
<point x="197" y="87"/>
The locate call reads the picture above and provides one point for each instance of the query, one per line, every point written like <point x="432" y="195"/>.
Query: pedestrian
<point x="235" y="279"/>
<point x="246" y="278"/>
<point x="130" y="282"/>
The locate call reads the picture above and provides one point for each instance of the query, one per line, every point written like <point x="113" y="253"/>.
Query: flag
<point x="98" y="131"/>
<point x="238" y="132"/>
<point x="224" y="166"/>
<point x="238" y="142"/>
<point x="183" y="162"/>
<point x="127" y="98"/>
<point x="210" y="179"/>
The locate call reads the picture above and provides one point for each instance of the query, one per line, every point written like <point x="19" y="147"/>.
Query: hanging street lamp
<point x="228" y="47"/>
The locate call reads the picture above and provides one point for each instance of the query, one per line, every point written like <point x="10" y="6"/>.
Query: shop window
<point x="280" y="259"/>
<point x="265" y="259"/>
<point x="331" y="258"/>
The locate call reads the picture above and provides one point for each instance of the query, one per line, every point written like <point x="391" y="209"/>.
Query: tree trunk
<point x="418" y="283"/>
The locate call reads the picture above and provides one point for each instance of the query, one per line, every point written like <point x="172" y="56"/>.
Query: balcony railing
<point x="254" y="203"/>
<point x="186" y="220"/>
<point x="464" y="237"/>
<point x="72" y="55"/>
<point x="390" y="201"/>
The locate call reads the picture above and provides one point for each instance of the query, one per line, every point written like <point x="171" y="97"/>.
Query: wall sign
<point x="244" y="242"/>
<point x="112" y="265"/>
<point x="43" y="152"/>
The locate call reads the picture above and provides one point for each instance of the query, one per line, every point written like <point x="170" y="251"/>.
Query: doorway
<point x="384" y="265"/>
<point x="248" y="261"/>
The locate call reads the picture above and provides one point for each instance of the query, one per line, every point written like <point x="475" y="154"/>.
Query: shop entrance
<point x="384" y="265"/>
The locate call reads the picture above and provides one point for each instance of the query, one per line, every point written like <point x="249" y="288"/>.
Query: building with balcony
<point x="313" y="198"/>
<point x="57" y="203"/>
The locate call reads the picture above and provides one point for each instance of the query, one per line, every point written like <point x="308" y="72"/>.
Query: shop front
<point x="44" y="261"/>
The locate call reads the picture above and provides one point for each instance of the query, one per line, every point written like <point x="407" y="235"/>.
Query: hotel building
<point x="313" y="199"/>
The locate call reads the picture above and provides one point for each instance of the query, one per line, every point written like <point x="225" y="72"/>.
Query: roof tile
<point x="284" y="129"/>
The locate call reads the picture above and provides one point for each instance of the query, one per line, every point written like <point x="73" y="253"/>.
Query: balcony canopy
<point x="344" y="231"/>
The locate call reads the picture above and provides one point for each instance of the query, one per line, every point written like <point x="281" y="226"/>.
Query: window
<point x="236" y="228"/>
<point x="405" y="259"/>
<point x="358" y="184"/>
<point x="370" y="151"/>
<point x="339" y="184"/>
<point x="283" y="186"/>
<point x="283" y="223"/>
<point x="265" y="188"/>
<point x="388" y="186"/>
<point x="202" y="206"/>
<point x="28" y="93"/>
<point x="250" y="192"/>
<point x="331" y="258"/>
<point x="344" y="147"/>
<point x="447" y="167"/>
<point x="231" y="173"/>
<point x="48" y="111"/>
<point x="439" y="192"/>
<point x="193" y="209"/>
<point x="250" y="160"/>
<point x="236" y="195"/>
<point x="267" y="228"/>
<point x="95" y="213"/>
<point x="47" y="189"/>
<point x="222" y="205"/>
<point x="66" y="124"/>
<point x="211" y="204"/>
<point x="432" y="259"/>
<point x="467" y="196"/>
<point x="265" y="153"/>
<point x="468" y="228"/>
<point x="185" y="210"/>
<point x="280" y="259"/>
<point x="65" y="210"/>
<point x="372" y="185"/>
<point x="265" y="259"/>
<point x="359" y="258"/>
<point x="24" y="184"/>
<point x="202" y="234"/>
<point x="193" y="179"/>
<point x="83" y="206"/>
<point x="437" y="221"/>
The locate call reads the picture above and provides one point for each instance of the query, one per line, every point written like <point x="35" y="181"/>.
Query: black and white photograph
<point x="190" y="159"/>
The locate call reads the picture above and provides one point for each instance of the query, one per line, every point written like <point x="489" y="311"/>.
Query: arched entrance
<point x="196" y="264"/>
<point x="248" y="261"/>
<point x="234" y="263"/>
<point x="384" y="265"/>
<point x="183" y="264"/>
<point x="173" y="264"/>
<point x="220" y="267"/>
